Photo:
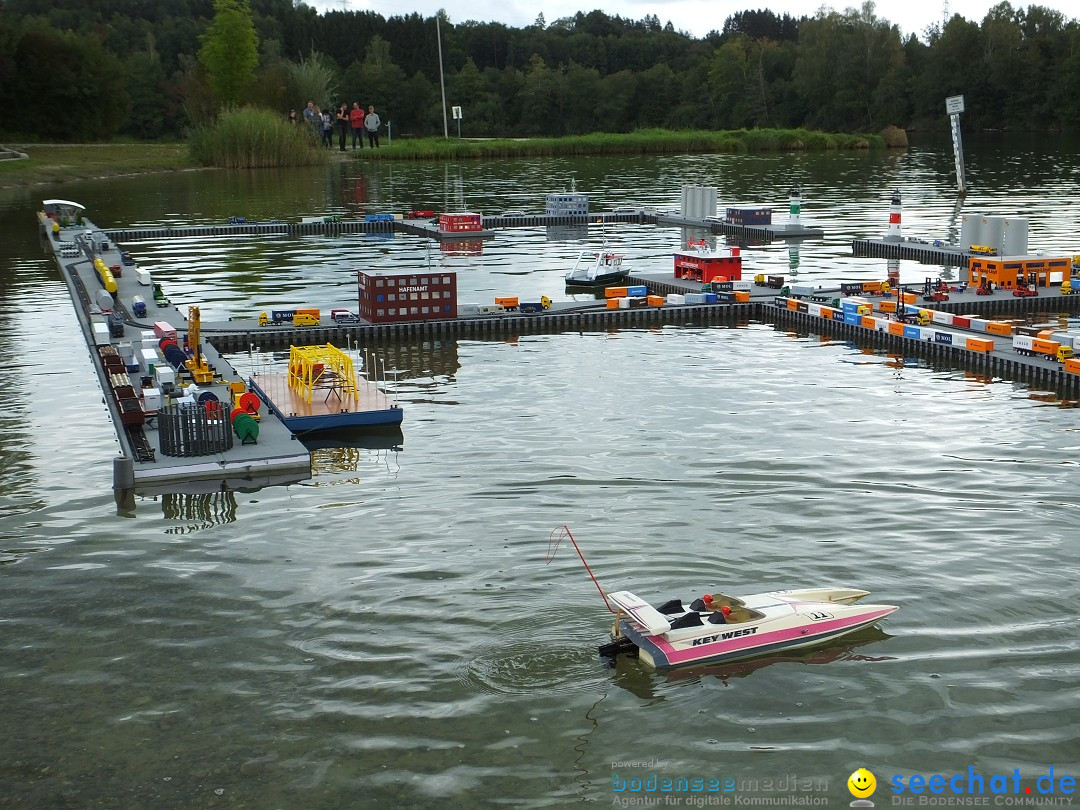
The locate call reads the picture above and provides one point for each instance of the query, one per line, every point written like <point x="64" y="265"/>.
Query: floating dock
<point x="915" y="250"/>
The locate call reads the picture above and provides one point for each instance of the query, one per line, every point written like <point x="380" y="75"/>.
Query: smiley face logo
<point x="862" y="783"/>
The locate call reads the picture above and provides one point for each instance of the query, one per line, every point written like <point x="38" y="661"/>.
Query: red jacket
<point x="357" y="119"/>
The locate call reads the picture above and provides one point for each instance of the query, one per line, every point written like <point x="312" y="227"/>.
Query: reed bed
<point x="252" y="138"/>
<point x="641" y="142"/>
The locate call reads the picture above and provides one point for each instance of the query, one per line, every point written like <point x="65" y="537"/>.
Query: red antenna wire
<point x="553" y="546"/>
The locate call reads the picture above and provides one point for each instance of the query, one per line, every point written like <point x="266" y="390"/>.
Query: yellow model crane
<point x="197" y="365"/>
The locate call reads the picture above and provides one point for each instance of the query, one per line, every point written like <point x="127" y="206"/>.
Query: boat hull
<point x="781" y="620"/>
<point x="597" y="281"/>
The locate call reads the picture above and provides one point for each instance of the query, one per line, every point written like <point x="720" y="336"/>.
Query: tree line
<point x="71" y="70"/>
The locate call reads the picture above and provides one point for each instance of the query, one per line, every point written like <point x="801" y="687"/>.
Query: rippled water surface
<point x="388" y="633"/>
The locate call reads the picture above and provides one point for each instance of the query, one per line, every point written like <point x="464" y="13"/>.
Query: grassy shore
<point x="56" y="163"/>
<point x="642" y="142"/>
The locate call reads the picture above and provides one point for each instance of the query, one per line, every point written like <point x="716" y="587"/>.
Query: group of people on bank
<point x="323" y="122"/>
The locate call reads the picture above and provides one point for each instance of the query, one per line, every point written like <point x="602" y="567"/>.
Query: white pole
<point x="442" y="81"/>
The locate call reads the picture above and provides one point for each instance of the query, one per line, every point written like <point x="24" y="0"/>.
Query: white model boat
<point x="725" y="628"/>
<point x="596" y="268"/>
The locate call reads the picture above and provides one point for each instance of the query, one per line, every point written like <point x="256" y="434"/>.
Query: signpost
<point x="456" y="113"/>
<point x="954" y="105"/>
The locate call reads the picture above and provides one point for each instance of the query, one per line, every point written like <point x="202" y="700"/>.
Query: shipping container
<point x="637" y="291"/>
<point x="507" y="301"/>
<point x="151" y="400"/>
<point x="676" y="298"/>
<point x="982" y="345"/>
<point x="164" y="329"/>
<point x="914" y="332"/>
<point x="655" y="300"/>
<point x="896" y="328"/>
<point x="999" y="328"/>
<point x="615" y="292"/>
<point x="758" y="215"/>
<point x="945" y="318"/>
<point x="101" y="333"/>
<point x="164" y="378"/>
<point x="612" y="303"/>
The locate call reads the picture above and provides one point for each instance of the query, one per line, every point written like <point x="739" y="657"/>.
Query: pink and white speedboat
<point x="719" y="627"/>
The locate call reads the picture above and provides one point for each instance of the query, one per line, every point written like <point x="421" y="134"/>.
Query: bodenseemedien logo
<point x="862" y="785"/>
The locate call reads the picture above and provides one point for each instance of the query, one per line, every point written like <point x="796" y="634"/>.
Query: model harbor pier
<point x="184" y="414"/>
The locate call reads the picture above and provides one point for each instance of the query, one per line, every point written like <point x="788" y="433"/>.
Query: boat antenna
<point x="556" y="537"/>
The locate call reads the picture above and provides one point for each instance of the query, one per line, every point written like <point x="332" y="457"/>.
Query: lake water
<point x="388" y="634"/>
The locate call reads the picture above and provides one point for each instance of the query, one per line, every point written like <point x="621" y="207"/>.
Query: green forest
<point x="72" y="70"/>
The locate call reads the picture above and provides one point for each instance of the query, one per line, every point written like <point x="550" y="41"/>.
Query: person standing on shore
<point x="310" y="116"/>
<point x="328" y="129"/>
<point x="342" y="124"/>
<point x="371" y="124"/>
<point x="356" y="118"/>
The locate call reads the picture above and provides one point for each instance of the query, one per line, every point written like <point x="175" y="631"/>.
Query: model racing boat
<point x="718" y="627"/>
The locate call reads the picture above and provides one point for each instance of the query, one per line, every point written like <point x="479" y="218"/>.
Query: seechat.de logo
<point x="862" y="785"/>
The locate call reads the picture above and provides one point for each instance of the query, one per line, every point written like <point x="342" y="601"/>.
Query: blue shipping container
<point x="710" y="298"/>
<point x="854" y="318"/>
<point x="943" y="337"/>
<point x="913" y="332"/>
<point x="637" y="291"/>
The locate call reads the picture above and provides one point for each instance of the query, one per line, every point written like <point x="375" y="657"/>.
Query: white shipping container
<point x="740" y="285"/>
<point x="148" y="360"/>
<point x="676" y="298"/>
<point x="942" y="317"/>
<point x="813" y="309"/>
<point x="979" y="324"/>
<point x="695" y="298"/>
<point x="101" y="334"/>
<point x="142" y="276"/>
<point x="465" y="310"/>
<point x="165" y="378"/>
<point x="624" y="303"/>
<point x="151" y="399"/>
<point x="803" y="289"/>
<point x="1022" y="342"/>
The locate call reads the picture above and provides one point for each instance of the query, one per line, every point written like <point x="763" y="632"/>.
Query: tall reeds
<point x="253" y="138"/>
<point x="641" y="142"/>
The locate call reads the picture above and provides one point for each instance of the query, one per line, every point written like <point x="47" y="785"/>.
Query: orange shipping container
<point x="1072" y="365"/>
<point x="655" y="300"/>
<point x="613" y="303"/>
<point x="999" y="328"/>
<point x="742" y="296"/>
<point x="1044" y="346"/>
<point x="867" y="322"/>
<point x="896" y="329"/>
<point x="887" y="306"/>
<point x="791" y="303"/>
<point x="508" y="302"/>
<point x="615" y="292"/>
<point x="909" y="298"/>
<point x="980" y="345"/>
